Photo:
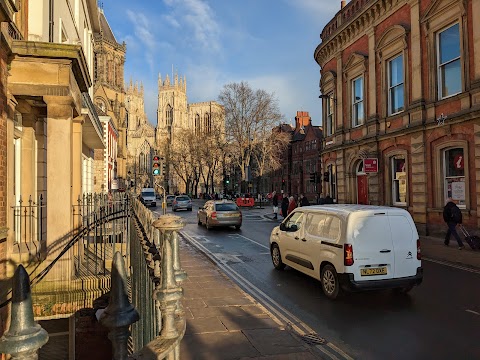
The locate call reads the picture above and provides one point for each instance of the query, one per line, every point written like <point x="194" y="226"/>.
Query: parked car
<point x="350" y="247"/>
<point x="147" y="197"/>
<point x="182" y="202"/>
<point x="219" y="213"/>
<point x="170" y="199"/>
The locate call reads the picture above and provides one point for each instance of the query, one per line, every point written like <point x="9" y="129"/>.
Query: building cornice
<point x="7" y="9"/>
<point x="344" y="32"/>
<point x="70" y="52"/>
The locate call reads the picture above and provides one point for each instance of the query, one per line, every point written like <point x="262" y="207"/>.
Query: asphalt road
<point x="440" y="319"/>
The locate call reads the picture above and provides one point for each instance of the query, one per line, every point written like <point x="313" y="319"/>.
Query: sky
<point x="267" y="43"/>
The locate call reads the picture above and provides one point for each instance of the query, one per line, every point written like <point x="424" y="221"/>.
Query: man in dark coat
<point x="304" y="201"/>
<point x="285" y="203"/>
<point x="452" y="216"/>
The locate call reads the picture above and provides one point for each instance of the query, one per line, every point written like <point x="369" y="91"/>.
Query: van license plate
<point x="373" y="271"/>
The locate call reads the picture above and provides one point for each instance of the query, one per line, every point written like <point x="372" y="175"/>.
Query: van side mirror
<point x="293" y="227"/>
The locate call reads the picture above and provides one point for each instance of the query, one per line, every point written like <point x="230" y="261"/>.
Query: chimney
<point x="343" y="2"/>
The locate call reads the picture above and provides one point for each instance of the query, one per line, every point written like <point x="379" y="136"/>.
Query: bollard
<point x="168" y="293"/>
<point x="24" y="337"/>
<point x="120" y="313"/>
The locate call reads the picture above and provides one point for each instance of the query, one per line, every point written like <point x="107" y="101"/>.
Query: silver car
<point x="220" y="213"/>
<point x="181" y="202"/>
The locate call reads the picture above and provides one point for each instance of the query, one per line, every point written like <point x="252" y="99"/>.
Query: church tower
<point x="172" y="111"/>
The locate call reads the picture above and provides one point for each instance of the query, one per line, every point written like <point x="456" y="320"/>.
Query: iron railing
<point x="29" y="225"/>
<point x="153" y="301"/>
<point x="106" y="216"/>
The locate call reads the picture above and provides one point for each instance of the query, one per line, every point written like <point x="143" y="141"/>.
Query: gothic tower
<point x="172" y="111"/>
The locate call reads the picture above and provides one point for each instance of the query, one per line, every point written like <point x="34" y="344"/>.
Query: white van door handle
<point x="385" y="251"/>
<point x="304" y="239"/>
<point x="296" y="238"/>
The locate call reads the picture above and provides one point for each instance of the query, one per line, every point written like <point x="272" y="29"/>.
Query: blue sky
<point x="267" y="43"/>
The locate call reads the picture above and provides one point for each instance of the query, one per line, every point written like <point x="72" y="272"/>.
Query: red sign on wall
<point x="370" y="165"/>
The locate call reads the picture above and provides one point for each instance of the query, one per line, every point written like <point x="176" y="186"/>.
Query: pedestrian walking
<point x="292" y="204"/>
<point x="452" y="216"/>
<point x="321" y="200"/>
<point x="285" y="205"/>
<point x="328" y="200"/>
<point x="275" y="204"/>
<point x="304" y="201"/>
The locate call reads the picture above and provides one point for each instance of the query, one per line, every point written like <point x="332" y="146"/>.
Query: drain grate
<point x="313" y="339"/>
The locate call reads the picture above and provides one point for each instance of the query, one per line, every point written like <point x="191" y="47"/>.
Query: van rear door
<point x="373" y="251"/>
<point x="404" y="237"/>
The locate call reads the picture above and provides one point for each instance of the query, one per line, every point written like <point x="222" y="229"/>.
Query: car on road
<point x="147" y="197"/>
<point x="181" y="202"/>
<point x="350" y="247"/>
<point x="219" y="213"/>
<point x="170" y="199"/>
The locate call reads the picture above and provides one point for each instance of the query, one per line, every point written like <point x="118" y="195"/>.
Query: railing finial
<point x="25" y="336"/>
<point x="120" y="313"/>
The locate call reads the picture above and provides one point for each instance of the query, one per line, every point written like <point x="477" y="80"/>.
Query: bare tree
<point x="250" y="115"/>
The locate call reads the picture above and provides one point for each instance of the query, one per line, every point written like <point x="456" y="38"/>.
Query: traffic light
<point x="313" y="177"/>
<point x="156" y="165"/>
<point x="283" y="183"/>
<point x="164" y="165"/>
<point x="326" y="176"/>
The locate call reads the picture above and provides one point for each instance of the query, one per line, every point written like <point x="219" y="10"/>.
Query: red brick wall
<point x="3" y="172"/>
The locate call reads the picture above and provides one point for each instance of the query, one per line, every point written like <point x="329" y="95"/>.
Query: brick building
<point x="400" y="83"/>
<point x="300" y="158"/>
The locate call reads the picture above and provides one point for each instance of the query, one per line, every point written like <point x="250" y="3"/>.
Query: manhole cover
<point x="313" y="339"/>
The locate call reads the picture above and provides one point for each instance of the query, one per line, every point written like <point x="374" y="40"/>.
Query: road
<point x="438" y="320"/>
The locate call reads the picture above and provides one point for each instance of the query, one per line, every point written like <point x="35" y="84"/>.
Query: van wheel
<point x="277" y="257"/>
<point x="330" y="284"/>
<point x="403" y="290"/>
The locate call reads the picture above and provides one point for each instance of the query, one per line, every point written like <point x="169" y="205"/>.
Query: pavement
<point x="225" y="323"/>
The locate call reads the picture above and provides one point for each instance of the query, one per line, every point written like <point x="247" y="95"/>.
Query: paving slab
<point x="274" y="341"/>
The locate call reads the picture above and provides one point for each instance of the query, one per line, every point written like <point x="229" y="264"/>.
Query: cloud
<point x="197" y="17"/>
<point x="143" y="34"/>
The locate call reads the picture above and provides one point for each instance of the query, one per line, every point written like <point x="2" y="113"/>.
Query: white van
<point x="147" y="197"/>
<point x="350" y="247"/>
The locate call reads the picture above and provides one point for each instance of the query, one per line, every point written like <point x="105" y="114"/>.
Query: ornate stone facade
<point x="109" y="89"/>
<point x="395" y="90"/>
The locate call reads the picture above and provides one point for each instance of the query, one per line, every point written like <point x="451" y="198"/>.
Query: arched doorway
<point x="362" y="184"/>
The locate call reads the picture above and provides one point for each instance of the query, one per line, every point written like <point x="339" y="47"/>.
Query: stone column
<point x="77" y="158"/>
<point x="59" y="182"/>
<point x="416" y="51"/>
<point x="28" y="158"/>
<point x="418" y="189"/>
<point x="339" y="105"/>
<point x="372" y="84"/>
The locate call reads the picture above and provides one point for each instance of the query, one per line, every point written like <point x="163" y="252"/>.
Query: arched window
<point x="169" y="115"/>
<point x="198" y="129"/>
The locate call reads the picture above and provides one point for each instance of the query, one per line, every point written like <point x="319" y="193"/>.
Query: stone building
<point x="400" y="83"/>
<point x="174" y="114"/>
<point x="109" y="89"/>
<point x="141" y="137"/>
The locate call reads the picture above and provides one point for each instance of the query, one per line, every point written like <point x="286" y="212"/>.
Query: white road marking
<point x="446" y="263"/>
<point x="473" y="312"/>
<point x="253" y="241"/>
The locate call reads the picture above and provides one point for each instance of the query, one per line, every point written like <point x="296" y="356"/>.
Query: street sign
<point x="370" y="165"/>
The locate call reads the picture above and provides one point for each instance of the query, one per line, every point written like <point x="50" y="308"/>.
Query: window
<point x="329" y="112"/>
<point x="448" y="59"/>
<point x="295" y="219"/>
<point x="357" y="102"/>
<point x="454" y="175"/>
<point x="332" y="178"/>
<point x="399" y="180"/>
<point x="395" y="85"/>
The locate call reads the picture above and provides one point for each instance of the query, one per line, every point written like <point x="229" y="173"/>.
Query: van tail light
<point x="214" y="215"/>
<point x="419" y="251"/>
<point x="347" y="254"/>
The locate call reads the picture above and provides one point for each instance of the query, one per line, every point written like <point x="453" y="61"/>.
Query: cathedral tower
<point x="172" y="111"/>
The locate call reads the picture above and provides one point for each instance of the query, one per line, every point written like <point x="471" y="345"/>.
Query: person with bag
<point x="275" y="204"/>
<point x="452" y="216"/>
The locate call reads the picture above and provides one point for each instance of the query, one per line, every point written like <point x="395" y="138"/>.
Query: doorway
<point x="362" y="185"/>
